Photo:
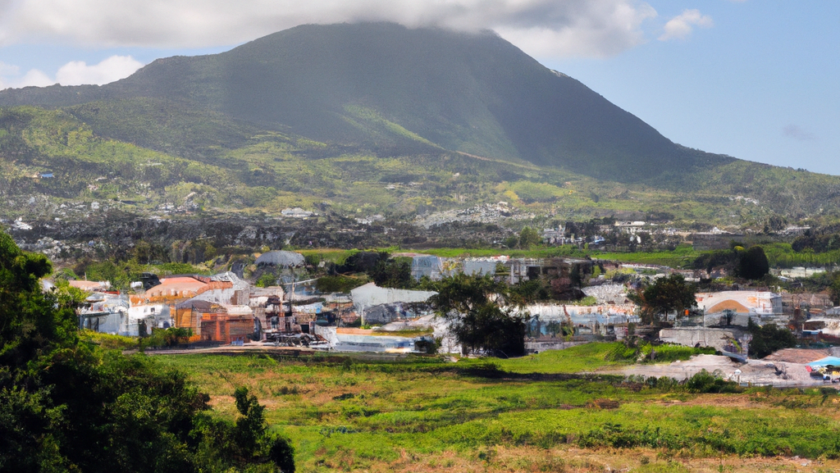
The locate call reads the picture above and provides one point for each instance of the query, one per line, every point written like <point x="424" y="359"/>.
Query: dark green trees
<point x="67" y="405"/>
<point x="753" y="263"/>
<point x="473" y="305"/>
<point x="528" y="237"/>
<point x="669" y="294"/>
<point x="768" y="339"/>
<point x="392" y="273"/>
<point x="748" y="264"/>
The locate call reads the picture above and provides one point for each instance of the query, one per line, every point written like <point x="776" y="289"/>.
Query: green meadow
<point x="527" y="414"/>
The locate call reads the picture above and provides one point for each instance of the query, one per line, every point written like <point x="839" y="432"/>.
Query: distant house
<point x="47" y="175"/>
<point x="630" y="227"/>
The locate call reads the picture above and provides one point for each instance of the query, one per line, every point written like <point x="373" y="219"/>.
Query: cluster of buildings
<point x="225" y="309"/>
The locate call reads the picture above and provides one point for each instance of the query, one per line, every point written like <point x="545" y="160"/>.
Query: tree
<point x="768" y="339"/>
<point x="392" y="273"/>
<point x="68" y="405"/>
<point x="511" y="241"/>
<point x="472" y="304"/>
<point x="834" y="288"/>
<point x="668" y="294"/>
<point x="528" y="237"/>
<point x="753" y="263"/>
<point x="775" y="223"/>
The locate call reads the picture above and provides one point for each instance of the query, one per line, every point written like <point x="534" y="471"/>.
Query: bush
<point x="342" y="284"/>
<point x="704" y="382"/>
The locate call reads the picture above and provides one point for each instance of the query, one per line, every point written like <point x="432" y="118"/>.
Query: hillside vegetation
<point x="340" y="113"/>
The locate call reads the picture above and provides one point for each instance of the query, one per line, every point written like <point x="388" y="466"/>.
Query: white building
<point x="754" y="303"/>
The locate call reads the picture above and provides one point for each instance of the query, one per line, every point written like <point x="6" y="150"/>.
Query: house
<point x="296" y="212"/>
<point x="554" y="236"/>
<point x="142" y="318"/>
<point x="631" y="228"/>
<point x="427" y="266"/>
<point x="756" y="304"/>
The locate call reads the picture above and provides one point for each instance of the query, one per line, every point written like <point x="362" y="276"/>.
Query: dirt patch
<point x="728" y="400"/>
<point x="797" y="355"/>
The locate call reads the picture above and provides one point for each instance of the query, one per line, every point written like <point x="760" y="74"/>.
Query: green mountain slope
<point x="373" y="118"/>
<point x="235" y="167"/>
<point x="386" y="85"/>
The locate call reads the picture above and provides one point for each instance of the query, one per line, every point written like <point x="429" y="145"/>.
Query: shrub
<point x="704" y="382"/>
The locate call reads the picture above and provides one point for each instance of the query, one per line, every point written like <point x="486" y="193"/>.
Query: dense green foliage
<point x="342" y="284"/>
<point x="392" y="273"/>
<point x="472" y="305"/>
<point x="67" y="405"/>
<point x="768" y="338"/>
<point x="528" y="237"/>
<point x="647" y="353"/>
<point x="753" y="264"/>
<point x="748" y="264"/>
<point x="665" y="295"/>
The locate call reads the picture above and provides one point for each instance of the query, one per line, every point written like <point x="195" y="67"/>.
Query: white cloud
<point x="112" y="69"/>
<point x="72" y="73"/>
<point x="550" y="27"/>
<point x="683" y="24"/>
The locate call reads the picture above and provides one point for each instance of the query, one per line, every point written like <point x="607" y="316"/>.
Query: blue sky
<point x="757" y="80"/>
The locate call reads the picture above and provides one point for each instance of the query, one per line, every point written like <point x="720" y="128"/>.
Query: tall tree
<point x="473" y="305"/>
<point x="753" y="263"/>
<point x="666" y="295"/>
<point x="528" y="237"/>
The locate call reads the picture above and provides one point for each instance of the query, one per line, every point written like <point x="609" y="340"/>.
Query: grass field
<point x="527" y="414"/>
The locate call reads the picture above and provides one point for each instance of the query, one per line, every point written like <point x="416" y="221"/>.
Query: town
<point x="288" y="304"/>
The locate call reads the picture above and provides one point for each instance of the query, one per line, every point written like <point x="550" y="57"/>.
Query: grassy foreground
<point x="429" y="415"/>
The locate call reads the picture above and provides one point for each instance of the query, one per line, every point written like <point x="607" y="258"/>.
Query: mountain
<point x="371" y="118"/>
<point x="385" y="84"/>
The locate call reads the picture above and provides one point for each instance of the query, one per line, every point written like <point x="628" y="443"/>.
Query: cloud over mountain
<point x="553" y="28"/>
<point x="73" y="73"/>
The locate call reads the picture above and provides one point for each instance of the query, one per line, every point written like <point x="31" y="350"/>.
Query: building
<point x="753" y="303"/>
<point x="426" y="266"/>
<point x="631" y="228"/>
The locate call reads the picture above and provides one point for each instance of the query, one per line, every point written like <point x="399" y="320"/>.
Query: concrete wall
<point x="717" y="338"/>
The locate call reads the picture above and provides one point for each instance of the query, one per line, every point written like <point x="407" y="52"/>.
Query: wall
<point x="706" y="337"/>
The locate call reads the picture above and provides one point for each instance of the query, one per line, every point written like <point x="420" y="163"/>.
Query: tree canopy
<point x="666" y="295"/>
<point x="768" y="339"/>
<point x="473" y="305"/>
<point x="753" y="263"/>
<point x="68" y="405"/>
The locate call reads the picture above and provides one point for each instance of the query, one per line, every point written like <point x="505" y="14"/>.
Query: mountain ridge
<point x="468" y="92"/>
<point x="371" y="118"/>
